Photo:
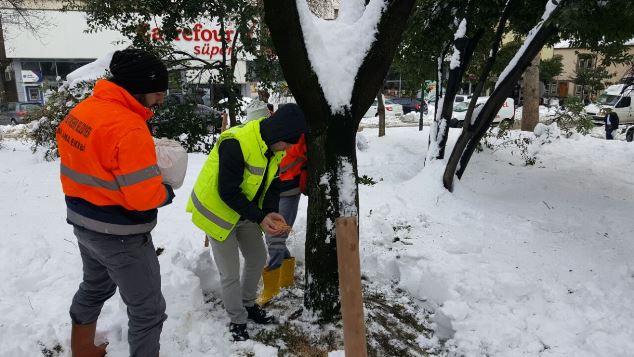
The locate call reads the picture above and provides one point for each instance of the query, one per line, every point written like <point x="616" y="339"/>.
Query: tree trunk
<point x="530" y="90"/>
<point x="380" y="110"/>
<point x="332" y="138"/>
<point x="335" y="144"/>
<point x="466" y="46"/>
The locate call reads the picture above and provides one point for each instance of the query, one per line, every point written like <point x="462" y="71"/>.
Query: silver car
<point x="12" y="113"/>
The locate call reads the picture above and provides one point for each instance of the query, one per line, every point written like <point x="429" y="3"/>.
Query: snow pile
<point x="390" y="120"/>
<point x="519" y="260"/>
<point x="545" y="113"/>
<point x="336" y="48"/>
<point x="413" y="117"/>
<point x="547" y="133"/>
<point x="18" y="130"/>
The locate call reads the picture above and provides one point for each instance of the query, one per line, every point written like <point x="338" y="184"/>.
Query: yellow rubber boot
<point x="271" y="280"/>
<point x="287" y="276"/>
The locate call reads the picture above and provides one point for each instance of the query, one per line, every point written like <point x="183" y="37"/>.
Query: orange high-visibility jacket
<point x="294" y="163"/>
<point x="108" y="163"/>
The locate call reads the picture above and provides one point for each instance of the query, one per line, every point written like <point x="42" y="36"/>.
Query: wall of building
<point x="570" y="58"/>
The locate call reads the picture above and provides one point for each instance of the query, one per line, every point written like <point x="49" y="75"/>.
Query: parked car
<point x="411" y="104"/>
<point x="613" y="100"/>
<point x="12" y="113"/>
<point x="506" y="113"/>
<point x="391" y="109"/>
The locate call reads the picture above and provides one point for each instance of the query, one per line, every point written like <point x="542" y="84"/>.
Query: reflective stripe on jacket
<point x="108" y="159"/>
<point x="209" y="212"/>
<point x="294" y="160"/>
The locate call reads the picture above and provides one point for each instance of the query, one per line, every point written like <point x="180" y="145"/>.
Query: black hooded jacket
<point x="287" y="124"/>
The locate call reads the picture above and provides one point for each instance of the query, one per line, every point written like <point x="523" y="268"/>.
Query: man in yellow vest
<point x="235" y="198"/>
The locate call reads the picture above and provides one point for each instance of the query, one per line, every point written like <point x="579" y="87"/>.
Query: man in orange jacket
<point x="280" y="270"/>
<point x="113" y="188"/>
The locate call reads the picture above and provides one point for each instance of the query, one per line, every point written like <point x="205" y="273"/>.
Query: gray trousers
<point x="237" y="293"/>
<point x="130" y="263"/>
<point x="277" y="244"/>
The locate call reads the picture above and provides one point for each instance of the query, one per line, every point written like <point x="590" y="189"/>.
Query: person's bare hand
<point x="274" y="224"/>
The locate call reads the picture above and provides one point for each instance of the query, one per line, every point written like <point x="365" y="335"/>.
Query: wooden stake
<point x="354" y="338"/>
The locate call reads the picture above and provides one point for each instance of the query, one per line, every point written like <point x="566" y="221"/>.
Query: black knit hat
<point x="138" y="71"/>
<point x="286" y="124"/>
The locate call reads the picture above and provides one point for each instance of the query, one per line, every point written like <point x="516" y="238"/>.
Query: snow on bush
<point x="546" y="134"/>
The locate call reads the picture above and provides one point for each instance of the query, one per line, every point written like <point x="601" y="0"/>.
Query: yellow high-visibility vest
<point x="209" y="212"/>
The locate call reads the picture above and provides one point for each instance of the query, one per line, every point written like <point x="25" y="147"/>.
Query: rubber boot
<point x="271" y="279"/>
<point x="287" y="275"/>
<point x="82" y="341"/>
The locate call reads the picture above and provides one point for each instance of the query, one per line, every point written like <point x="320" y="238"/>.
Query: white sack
<point x="171" y="159"/>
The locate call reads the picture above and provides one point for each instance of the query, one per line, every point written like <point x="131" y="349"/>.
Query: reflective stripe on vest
<point x="208" y="214"/>
<point x="108" y="228"/>
<point x="255" y="170"/>
<point x="114" y="185"/>
<point x="285" y="168"/>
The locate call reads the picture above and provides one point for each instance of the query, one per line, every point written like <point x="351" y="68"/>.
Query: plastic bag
<point x="171" y="159"/>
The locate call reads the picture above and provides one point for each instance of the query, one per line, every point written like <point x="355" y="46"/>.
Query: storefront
<point x="41" y="61"/>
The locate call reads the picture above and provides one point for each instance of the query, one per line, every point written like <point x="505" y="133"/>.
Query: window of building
<point x="585" y="61"/>
<point x="31" y="66"/>
<point x="33" y="94"/>
<point x="49" y="71"/>
<point x="578" y="89"/>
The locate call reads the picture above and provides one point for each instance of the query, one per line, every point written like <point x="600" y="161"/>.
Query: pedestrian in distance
<point x="113" y="188"/>
<point x="611" y="125"/>
<point x="236" y="197"/>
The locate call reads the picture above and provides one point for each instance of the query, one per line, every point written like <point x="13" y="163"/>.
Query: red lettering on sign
<point x="207" y="35"/>
<point x="208" y="39"/>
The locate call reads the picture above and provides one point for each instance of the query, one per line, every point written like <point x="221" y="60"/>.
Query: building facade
<point x="576" y="59"/>
<point x="40" y="60"/>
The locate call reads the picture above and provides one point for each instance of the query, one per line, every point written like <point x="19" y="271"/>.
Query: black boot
<point x="238" y="332"/>
<point x="258" y="315"/>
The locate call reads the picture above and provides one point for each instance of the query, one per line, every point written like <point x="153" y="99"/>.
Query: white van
<point x="614" y="100"/>
<point x="506" y="113"/>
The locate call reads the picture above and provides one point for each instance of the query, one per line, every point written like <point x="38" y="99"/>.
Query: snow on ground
<point x="518" y="261"/>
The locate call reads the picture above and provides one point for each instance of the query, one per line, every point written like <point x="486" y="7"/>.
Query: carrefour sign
<point x="201" y="40"/>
